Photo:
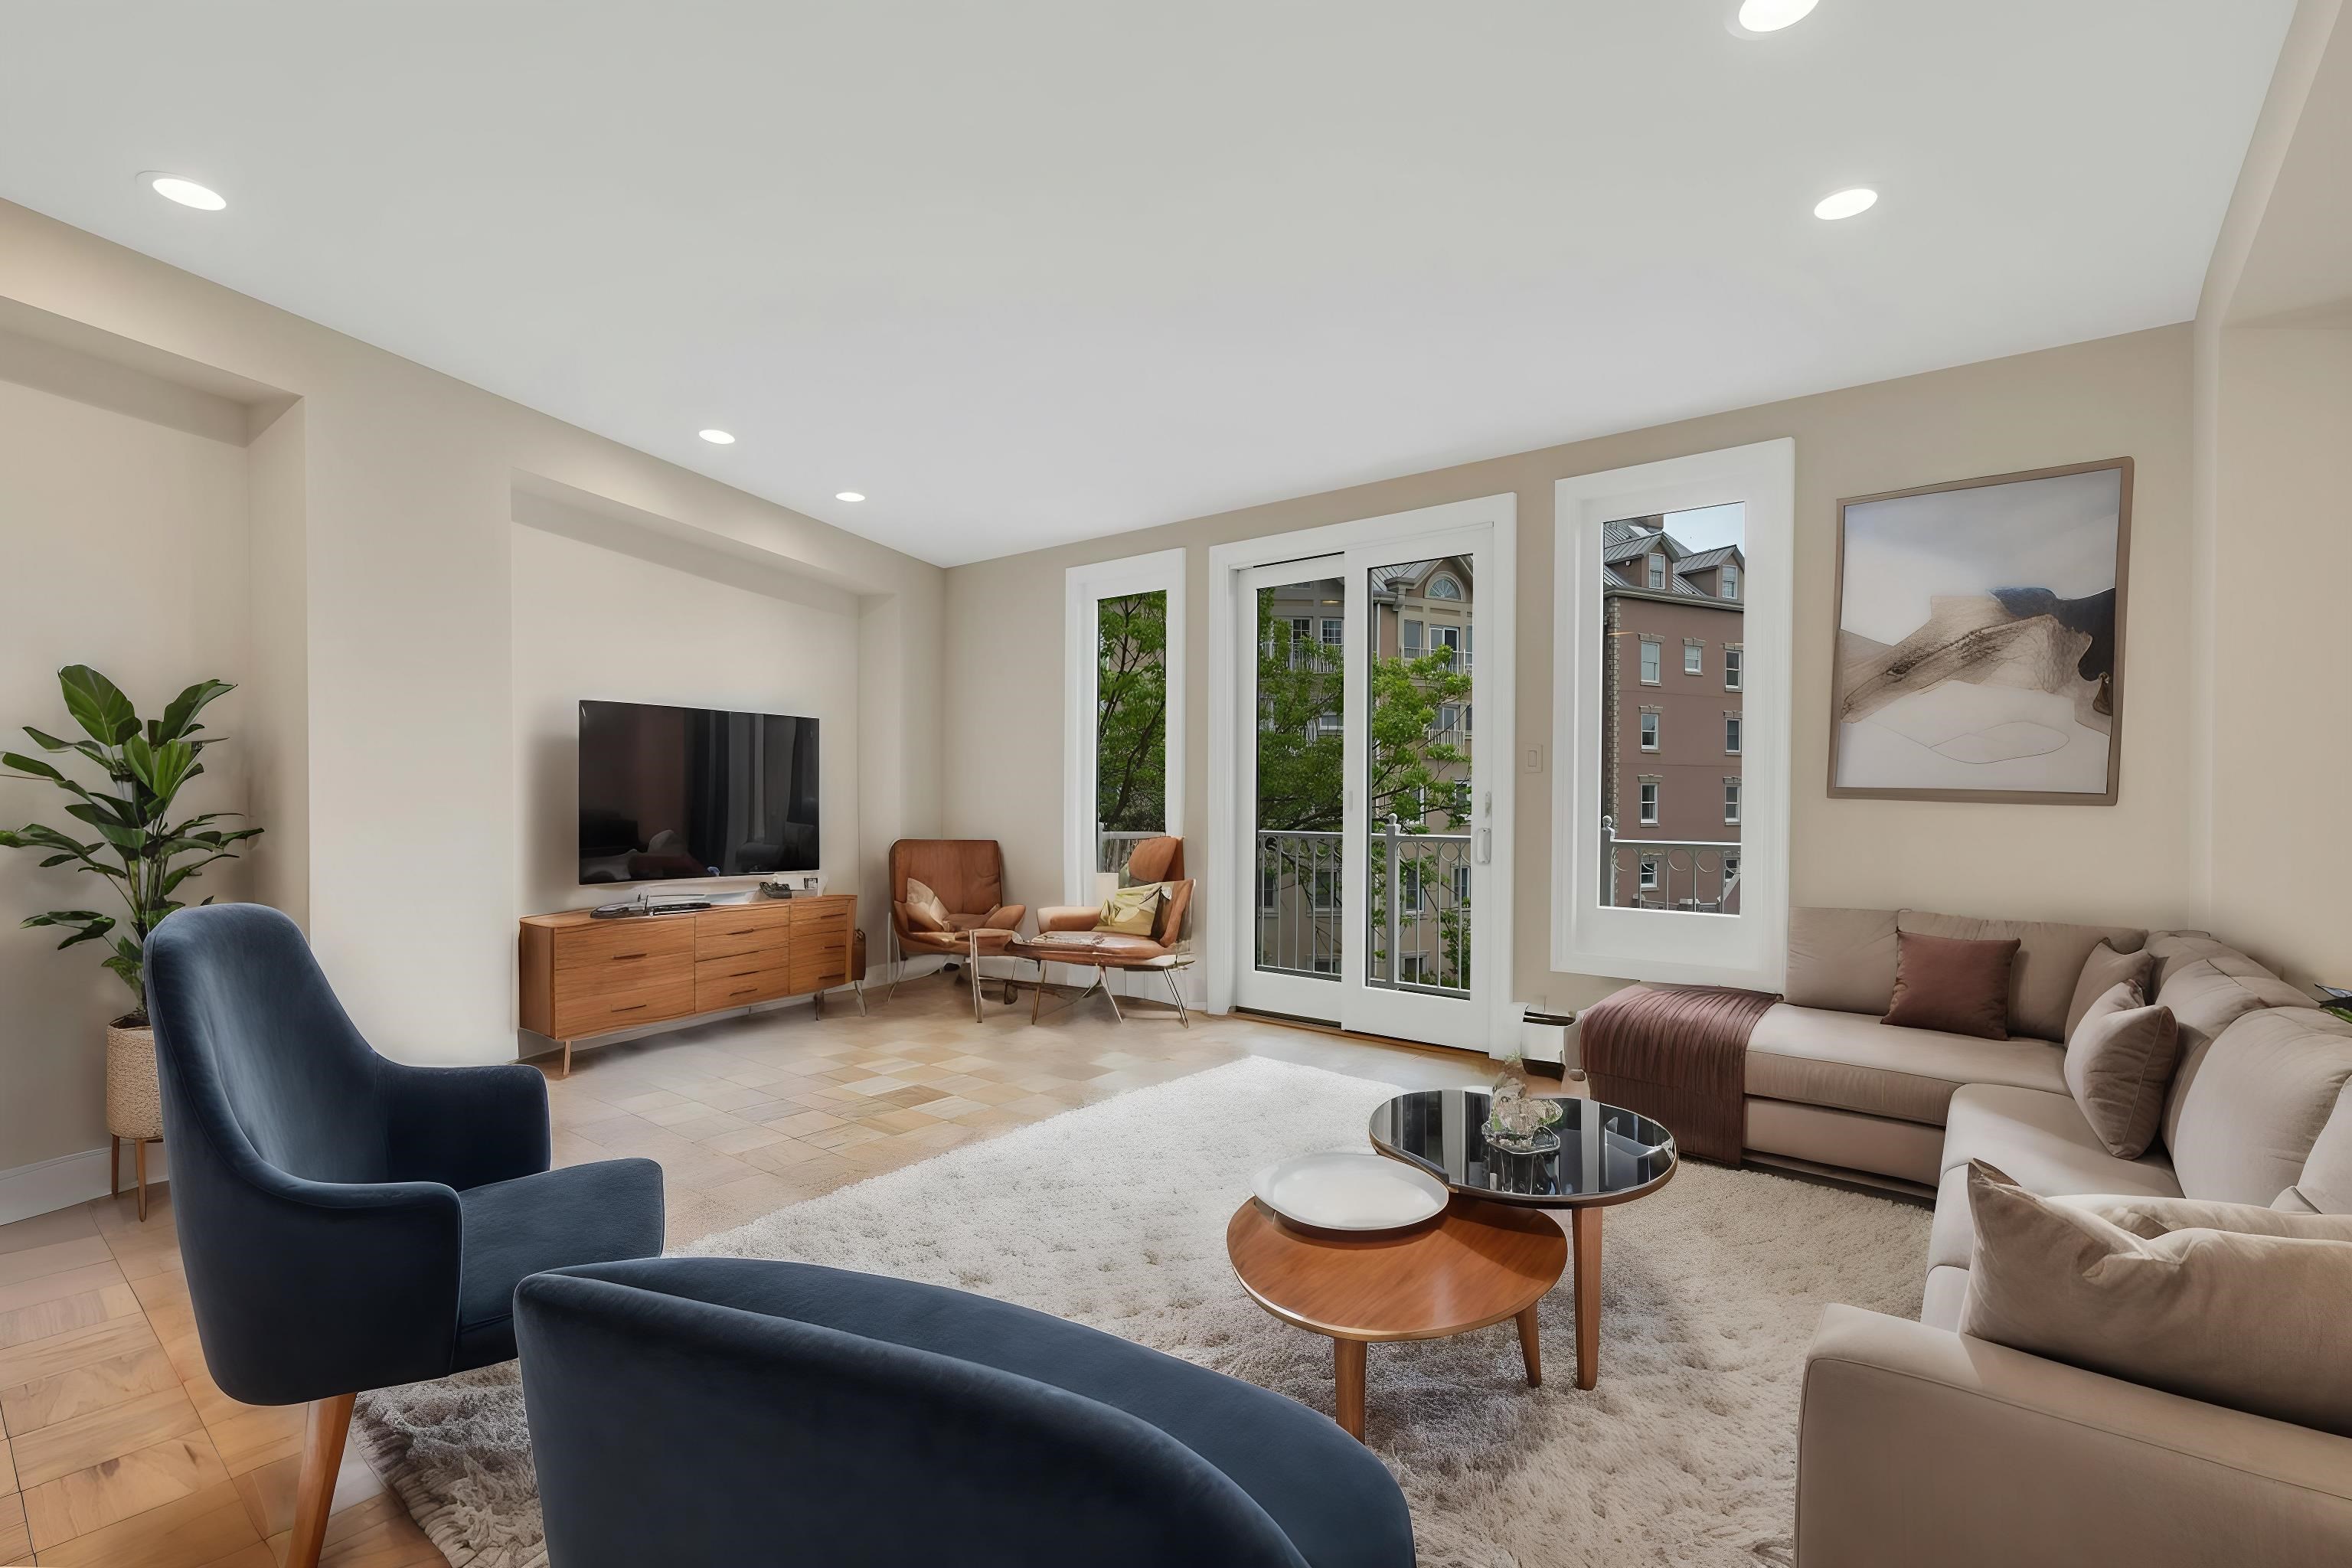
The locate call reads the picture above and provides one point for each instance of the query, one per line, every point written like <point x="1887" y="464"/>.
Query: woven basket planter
<point x="134" y="1102"/>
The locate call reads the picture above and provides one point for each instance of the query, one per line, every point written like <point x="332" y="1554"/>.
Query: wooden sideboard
<point x="583" y="978"/>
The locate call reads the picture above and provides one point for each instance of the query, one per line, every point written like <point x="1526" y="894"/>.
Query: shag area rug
<point x="1115" y="1215"/>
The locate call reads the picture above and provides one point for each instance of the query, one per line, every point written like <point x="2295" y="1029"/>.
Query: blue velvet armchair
<point x="346" y="1222"/>
<point x="720" y="1411"/>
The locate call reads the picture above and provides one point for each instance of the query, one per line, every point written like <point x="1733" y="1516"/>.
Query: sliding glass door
<point x="1362" y="788"/>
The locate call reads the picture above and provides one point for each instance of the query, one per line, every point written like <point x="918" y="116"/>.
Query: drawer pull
<point x="747" y="930"/>
<point x="742" y="973"/>
<point x="742" y="990"/>
<point x="632" y="1007"/>
<point x="623" y="957"/>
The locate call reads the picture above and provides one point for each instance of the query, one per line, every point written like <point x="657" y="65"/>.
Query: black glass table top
<point x="1606" y="1154"/>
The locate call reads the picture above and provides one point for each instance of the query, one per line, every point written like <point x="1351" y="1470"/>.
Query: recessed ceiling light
<point x="847" y="495"/>
<point x="1845" y="203"/>
<point x="1770" y="16"/>
<point x="718" y="437"/>
<point x="187" y="193"/>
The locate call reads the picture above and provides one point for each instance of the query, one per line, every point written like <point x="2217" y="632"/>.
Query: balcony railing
<point x="1693" y="876"/>
<point x="1111" y="849"/>
<point x="1301" y="880"/>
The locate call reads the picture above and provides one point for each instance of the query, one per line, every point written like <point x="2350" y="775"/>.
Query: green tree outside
<point x="1132" y="714"/>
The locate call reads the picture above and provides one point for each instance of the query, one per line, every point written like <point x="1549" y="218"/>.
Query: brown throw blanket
<point x="1678" y="1055"/>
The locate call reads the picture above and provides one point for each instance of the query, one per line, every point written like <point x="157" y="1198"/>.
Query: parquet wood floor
<point x="119" y="1451"/>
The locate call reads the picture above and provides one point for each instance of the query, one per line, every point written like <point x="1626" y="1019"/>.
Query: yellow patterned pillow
<point x="1131" y="911"/>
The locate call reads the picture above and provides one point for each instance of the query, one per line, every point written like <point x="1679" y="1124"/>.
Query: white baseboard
<point x="70" y="1179"/>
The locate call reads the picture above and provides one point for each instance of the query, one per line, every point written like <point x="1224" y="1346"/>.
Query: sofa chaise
<point x="1922" y="1447"/>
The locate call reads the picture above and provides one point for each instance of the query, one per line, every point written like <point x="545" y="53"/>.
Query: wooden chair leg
<point x="328" y="1425"/>
<point x="139" y="1158"/>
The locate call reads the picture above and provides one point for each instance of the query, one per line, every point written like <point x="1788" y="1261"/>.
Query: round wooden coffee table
<point x="1477" y="1264"/>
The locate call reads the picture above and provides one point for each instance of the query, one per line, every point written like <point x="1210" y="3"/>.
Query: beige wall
<point x="2272" y="524"/>
<point x="383" y="622"/>
<point x="125" y="548"/>
<point x="2118" y="396"/>
<point x="721" y="645"/>
<point x="2282" y="767"/>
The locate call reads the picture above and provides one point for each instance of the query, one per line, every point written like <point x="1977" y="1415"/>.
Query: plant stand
<point x="134" y="1103"/>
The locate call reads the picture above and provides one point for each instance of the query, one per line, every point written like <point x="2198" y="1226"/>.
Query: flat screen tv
<point x="694" y="792"/>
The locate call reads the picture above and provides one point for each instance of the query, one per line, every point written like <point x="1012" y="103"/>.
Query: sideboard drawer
<point x="636" y="940"/>
<point x="720" y="933"/>
<point x="587" y="1010"/>
<point x="819" y="966"/>
<point x="735" y="982"/>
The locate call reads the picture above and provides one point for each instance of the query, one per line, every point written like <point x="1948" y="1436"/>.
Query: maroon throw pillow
<point x="1946" y="982"/>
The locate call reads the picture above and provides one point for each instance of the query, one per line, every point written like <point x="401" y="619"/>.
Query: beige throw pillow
<point x="926" y="905"/>
<point x="2248" y="1320"/>
<point x="1131" y="911"/>
<point x="2101" y="972"/>
<point x="2119" y="1062"/>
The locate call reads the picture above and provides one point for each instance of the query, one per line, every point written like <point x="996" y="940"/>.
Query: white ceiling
<point x="1038" y="270"/>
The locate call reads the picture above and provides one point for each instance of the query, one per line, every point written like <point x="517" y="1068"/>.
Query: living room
<point x="1531" y="616"/>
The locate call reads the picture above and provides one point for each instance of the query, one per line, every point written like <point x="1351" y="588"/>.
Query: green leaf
<point x="180" y="713"/>
<point x="32" y="765"/>
<point x="98" y="705"/>
<point x="34" y="836"/>
<point x="103" y="816"/>
<point x="131" y="841"/>
<point x="162" y="769"/>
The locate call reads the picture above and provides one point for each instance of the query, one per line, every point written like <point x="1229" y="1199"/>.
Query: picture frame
<point x="1978" y="639"/>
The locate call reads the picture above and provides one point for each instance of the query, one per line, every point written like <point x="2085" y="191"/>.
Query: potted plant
<point x="146" y="856"/>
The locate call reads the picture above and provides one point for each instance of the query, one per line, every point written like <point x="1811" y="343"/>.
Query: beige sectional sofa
<point x="1924" y="1448"/>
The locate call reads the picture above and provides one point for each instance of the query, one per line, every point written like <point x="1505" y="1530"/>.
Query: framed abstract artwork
<point x="1980" y="649"/>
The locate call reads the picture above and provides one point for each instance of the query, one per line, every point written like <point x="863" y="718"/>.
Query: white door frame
<point x="1230" y="890"/>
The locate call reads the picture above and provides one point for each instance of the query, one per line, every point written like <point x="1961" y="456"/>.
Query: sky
<point x="1710" y="526"/>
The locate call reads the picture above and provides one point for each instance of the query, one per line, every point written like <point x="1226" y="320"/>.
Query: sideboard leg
<point x="567" y="1060"/>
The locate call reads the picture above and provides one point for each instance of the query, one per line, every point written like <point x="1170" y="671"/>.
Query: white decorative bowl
<point x="1345" y="1190"/>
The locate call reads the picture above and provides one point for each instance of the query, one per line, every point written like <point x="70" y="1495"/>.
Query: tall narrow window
<point x="1649" y="728"/>
<point x="1711" y="516"/>
<point x="1410" y="639"/>
<point x="1657" y="572"/>
<point x="1123" y="726"/>
<point x="1130" y="723"/>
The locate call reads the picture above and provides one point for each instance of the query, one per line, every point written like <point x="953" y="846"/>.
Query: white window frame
<point x="1084" y="590"/>
<point x="1650" y="655"/>
<point x="1653" y="728"/>
<point x="1409" y="636"/>
<point x="1734" y="665"/>
<point x="1646" y="874"/>
<point x="1731" y="802"/>
<point x="1694" y="656"/>
<point x="1656" y="575"/>
<point x="1734" y="733"/>
<point x="1727" y="581"/>
<point x="1649" y="801"/>
<point x="1589" y="937"/>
